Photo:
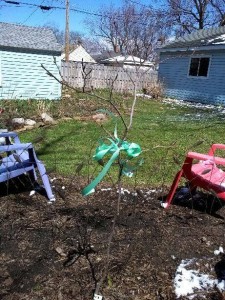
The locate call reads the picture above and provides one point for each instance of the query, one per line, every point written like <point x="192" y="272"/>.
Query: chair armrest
<point x="10" y="134"/>
<point x="199" y="156"/>
<point x="14" y="147"/>
<point x="214" y="147"/>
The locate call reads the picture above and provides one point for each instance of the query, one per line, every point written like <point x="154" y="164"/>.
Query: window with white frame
<point x="199" y="66"/>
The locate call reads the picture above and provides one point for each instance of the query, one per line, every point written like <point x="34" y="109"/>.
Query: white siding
<point x="24" y="78"/>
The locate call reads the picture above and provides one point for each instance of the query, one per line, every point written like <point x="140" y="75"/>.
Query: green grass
<point x="163" y="131"/>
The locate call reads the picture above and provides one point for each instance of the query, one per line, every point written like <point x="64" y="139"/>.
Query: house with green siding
<point x="23" y="50"/>
<point x="193" y="67"/>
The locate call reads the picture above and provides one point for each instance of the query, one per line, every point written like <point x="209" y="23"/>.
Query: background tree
<point x="92" y="45"/>
<point x="219" y="7"/>
<point x="188" y="15"/>
<point x="75" y="36"/>
<point x="130" y="29"/>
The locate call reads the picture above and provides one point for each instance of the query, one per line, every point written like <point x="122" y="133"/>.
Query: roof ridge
<point x="198" y="38"/>
<point x="22" y="25"/>
<point x="202" y="33"/>
<point x="28" y="37"/>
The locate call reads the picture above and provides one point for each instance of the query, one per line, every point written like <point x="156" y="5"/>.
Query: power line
<point x="49" y="7"/>
<point x="46" y="7"/>
<point x="31" y="14"/>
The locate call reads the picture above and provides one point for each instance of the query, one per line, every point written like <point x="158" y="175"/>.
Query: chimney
<point x="162" y="39"/>
<point x="117" y="49"/>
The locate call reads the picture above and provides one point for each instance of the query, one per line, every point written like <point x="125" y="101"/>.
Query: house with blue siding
<point x="23" y="50"/>
<point x="193" y="67"/>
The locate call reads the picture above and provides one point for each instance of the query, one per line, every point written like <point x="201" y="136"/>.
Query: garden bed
<point x="59" y="251"/>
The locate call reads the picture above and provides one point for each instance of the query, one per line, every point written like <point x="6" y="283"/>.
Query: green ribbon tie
<point x="131" y="149"/>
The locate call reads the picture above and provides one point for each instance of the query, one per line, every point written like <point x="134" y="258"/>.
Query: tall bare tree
<point x="219" y="7"/>
<point x="188" y="15"/>
<point x="130" y="29"/>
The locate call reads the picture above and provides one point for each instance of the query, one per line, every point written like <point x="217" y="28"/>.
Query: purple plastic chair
<point x="18" y="158"/>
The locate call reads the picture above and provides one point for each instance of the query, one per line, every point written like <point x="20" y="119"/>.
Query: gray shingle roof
<point x="26" y="37"/>
<point x="105" y="55"/>
<point x="204" y="37"/>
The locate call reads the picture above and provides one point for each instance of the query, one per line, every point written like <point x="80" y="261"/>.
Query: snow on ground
<point x="147" y="194"/>
<point x="190" y="281"/>
<point x="201" y="112"/>
<point x="186" y="103"/>
<point x="191" y="104"/>
<point x="193" y="277"/>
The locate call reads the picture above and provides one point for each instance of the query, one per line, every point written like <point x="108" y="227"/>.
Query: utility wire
<point x="31" y="14"/>
<point x="49" y="7"/>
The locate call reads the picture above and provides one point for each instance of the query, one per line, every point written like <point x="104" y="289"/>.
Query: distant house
<point x="23" y="50"/>
<point x="125" y="61"/>
<point x="79" y="54"/>
<point x="192" y="67"/>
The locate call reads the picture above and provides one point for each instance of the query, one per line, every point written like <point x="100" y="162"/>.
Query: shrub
<point x="154" y="89"/>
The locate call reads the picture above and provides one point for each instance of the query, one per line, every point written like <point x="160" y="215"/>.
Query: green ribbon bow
<point x="114" y="148"/>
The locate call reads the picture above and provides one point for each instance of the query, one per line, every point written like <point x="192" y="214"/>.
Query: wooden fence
<point x="99" y="76"/>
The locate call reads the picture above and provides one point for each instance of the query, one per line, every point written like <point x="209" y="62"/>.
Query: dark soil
<point x="60" y="251"/>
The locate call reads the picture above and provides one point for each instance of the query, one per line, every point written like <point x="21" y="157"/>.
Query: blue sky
<point x="33" y="16"/>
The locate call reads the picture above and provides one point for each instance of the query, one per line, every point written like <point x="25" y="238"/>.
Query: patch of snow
<point x="32" y="193"/>
<point x="221" y="286"/>
<point x="187" y="281"/>
<point x="144" y="96"/>
<point x="53" y="179"/>
<point x="218" y="40"/>
<point x="189" y="104"/>
<point x="149" y="191"/>
<point x="203" y="112"/>
<point x="220" y="250"/>
<point x="145" y="193"/>
<point x="123" y="191"/>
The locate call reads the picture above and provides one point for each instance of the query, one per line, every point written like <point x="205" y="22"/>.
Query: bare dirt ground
<point x="59" y="251"/>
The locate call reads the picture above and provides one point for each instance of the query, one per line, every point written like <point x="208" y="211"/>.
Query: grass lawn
<point x="163" y="130"/>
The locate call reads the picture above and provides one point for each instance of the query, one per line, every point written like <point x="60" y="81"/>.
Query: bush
<point x="154" y="89"/>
